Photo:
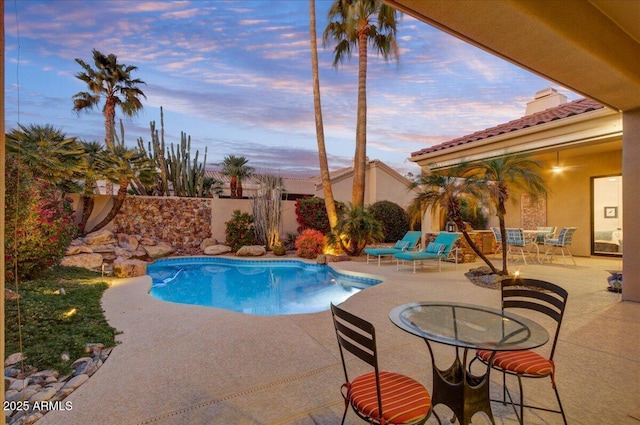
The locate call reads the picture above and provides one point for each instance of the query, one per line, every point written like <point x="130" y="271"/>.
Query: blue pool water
<point x="265" y="287"/>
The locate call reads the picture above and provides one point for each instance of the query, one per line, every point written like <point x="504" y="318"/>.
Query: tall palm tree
<point x="442" y="192"/>
<point x="325" y="177"/>
<point x="357" y="23"/>
<point x="111" y="81"/>
<point x="47" y="151"/>
<point x="236" y="167"/>
<point x="499" y="177"/>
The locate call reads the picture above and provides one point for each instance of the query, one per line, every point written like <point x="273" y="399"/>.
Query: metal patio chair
<point x="562" y="242"/>
<point x="378" y="397"/>
<point x="542" y="297"/>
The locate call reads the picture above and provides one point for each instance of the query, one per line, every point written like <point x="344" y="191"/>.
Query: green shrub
<point x="394" y="219"/>
<point x="310" y="243"/>
<point x="311" y="213"/>
<point x="39" y="224"/>
<point x="355" y="229"/>
<point x="239" y="230"/>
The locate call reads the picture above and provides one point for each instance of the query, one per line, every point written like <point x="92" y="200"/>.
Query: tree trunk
<point x="360" y="159"/>
<point x="239" y="189"/>
<point x="88" y="203"/>
<point x="233" y="187"/>
<point x="109" y="121"/>
<point x="327" y="189"/>
<point x="460" y="223"/>
<point x="117" y="204"/>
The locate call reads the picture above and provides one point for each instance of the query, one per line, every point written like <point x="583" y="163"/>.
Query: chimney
<point x="545" y="99"/>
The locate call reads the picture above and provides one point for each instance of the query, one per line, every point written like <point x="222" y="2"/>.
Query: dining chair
<point x="498" y="238"/>
<point x="562" y="242"/>
<point x="378" y="397"/>
<point x="544" y="233"/>
<point x="517" y="242"/>
<point x="546" y="299"/>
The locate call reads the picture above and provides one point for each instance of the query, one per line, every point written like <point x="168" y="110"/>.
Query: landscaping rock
<point x="100" y="237"/>
<point x="87" y="261"/>
<point x="13" y="359"/>
<point x="129" y="268"/>
<point x="251" y="251"/>
<point x="162" y="249"/>
<point x="78" y="249"/>
<point x="207" y="243"/>
<point x="217" y="249"/>
<point x="128" y="242"/>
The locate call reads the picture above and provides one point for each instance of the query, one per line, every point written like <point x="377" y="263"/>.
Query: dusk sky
<point x="236" y="77"/>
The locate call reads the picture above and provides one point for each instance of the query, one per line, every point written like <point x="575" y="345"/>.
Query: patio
<point x="182" y="364"/>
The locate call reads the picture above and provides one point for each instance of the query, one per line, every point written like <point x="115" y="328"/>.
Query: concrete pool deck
<point x="181" y="364"/>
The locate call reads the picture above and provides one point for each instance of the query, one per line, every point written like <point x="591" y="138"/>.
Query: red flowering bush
<point x="310" y="243"/>
<point x="39" y="223"/>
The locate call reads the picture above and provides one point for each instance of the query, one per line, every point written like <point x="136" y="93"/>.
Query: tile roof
<point x="565" y="110"/>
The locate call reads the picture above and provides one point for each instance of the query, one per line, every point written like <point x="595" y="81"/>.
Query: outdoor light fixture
<point x="557" y="168"/>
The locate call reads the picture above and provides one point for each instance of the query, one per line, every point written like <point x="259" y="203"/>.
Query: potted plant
<point x="279" y="249"/>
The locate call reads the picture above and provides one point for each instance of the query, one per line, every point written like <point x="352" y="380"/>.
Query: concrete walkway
<point x="180" y="364"/>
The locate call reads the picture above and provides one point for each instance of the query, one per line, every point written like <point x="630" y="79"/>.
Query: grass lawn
<point x="56" y="325"/>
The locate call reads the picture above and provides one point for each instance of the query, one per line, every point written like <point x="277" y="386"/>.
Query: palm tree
<point x="356" y="23"/>
<point x="355" y="230"/>
<point x="325" y="177"/>
<point x="122" y="165"/>
<point x="47" y="152"/>
<point x="236" y="167"/>
<point x="500" y="176"/>
<point x="444" y="193"/>
<point x="89" y="176"/>
<point x="112" y="81"/>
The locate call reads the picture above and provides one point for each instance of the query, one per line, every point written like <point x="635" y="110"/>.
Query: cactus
<point x="177" y="172"/>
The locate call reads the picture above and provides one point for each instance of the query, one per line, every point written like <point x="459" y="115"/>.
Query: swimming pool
<point x="263" y="287"/>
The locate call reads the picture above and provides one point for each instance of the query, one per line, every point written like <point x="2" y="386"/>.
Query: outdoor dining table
<point x="530" y="237"/>
<point x="466" y="327"/>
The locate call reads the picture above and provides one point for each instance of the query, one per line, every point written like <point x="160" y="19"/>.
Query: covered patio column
<point x="631" y="204"/>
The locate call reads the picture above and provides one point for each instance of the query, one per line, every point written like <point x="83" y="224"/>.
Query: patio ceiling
<point x="589" y="46"/>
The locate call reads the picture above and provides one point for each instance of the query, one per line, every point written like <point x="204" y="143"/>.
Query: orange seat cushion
<point x="404" y="400"/>
<point x="522" y="362"/>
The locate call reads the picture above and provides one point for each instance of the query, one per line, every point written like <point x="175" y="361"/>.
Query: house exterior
<point x="578" y="144"/>
<point x="382" y="183"/>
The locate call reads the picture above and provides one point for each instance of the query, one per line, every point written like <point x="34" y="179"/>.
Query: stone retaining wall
<point x="182" y="222"/>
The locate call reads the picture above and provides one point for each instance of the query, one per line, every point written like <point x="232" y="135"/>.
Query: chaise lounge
<point x="438" y="250"/>
<point x="409" y="242"/>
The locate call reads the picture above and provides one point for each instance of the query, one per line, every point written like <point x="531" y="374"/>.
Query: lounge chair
<point x="409" y="242"/>
<point x="438" y="250"/>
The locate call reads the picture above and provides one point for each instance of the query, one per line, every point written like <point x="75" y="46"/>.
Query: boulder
<point x="100" y="237"/>
<point x="161" y="249"/>
<point x="127" y="242"/>
<point x="129" y="268"/>
<point x="78" y="249"/>
<point x="148" y="242"/>
<point x="86" y="261"/>
<point x="251" y="251"/>
<point x="13" y="359"/>
<point x="207" y="243"/>
<point x="217" y="249"/>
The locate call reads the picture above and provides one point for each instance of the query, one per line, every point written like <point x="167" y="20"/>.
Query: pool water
<point x="264" y="287"/>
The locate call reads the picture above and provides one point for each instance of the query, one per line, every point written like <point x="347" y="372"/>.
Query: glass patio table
<point x="466" y="326"/>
